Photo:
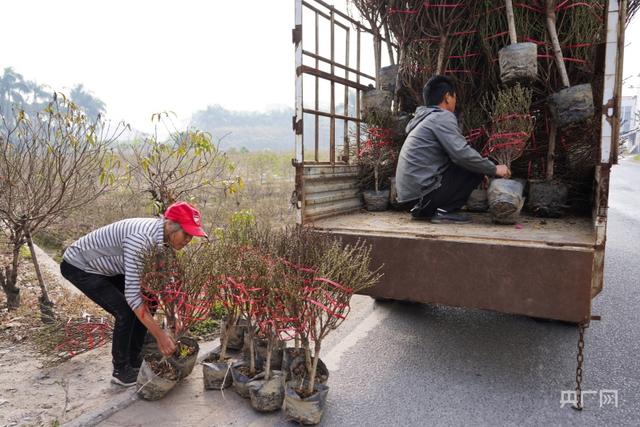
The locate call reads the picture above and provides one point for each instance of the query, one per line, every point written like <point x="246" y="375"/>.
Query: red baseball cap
<point x="187" y="216"/>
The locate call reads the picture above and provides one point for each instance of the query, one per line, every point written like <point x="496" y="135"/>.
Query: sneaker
<point x="125" y="377"/>
<point x="443" y="217"/>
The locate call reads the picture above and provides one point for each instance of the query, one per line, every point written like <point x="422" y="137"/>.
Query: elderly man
<point x="437" y="169"/>
<point x="106" y="264"/>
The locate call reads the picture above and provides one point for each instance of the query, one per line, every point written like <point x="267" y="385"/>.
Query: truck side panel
<point x="540" y="281"/>
<point x="326" y="190"/>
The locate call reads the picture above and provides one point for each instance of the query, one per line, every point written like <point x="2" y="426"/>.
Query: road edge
<point x="127" y="398"/>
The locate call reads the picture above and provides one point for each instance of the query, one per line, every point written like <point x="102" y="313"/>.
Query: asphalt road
<point x="413" y="365"/>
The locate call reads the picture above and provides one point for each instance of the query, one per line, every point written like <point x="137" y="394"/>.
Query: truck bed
<point x="545" y="268"/>
<point x="567" y="231"/>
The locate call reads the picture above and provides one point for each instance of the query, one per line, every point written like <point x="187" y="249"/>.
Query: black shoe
<point x="444" y="217"/>
<point x="125" y="377"/>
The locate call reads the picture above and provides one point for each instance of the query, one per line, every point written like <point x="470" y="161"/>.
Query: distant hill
<point x="253" y="130"/>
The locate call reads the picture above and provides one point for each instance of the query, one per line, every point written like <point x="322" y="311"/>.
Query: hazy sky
<point x="142" y="56"/>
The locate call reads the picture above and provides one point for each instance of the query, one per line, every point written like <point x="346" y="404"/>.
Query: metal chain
<point x="580" y="359"/>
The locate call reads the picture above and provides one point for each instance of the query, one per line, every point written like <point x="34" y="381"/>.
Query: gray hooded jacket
<point x="433" y="142"/>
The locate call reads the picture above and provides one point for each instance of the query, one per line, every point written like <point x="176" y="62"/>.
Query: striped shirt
<point x="118" y="248"/>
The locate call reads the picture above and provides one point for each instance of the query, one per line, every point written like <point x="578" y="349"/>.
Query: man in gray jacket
<point x="437" y="169"/>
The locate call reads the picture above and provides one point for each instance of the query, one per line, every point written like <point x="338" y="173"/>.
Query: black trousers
<point x="457" y="184"/>
<point x="108" y="293"/>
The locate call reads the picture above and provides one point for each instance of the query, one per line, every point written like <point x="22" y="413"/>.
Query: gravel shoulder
<point x="33" y="391"/>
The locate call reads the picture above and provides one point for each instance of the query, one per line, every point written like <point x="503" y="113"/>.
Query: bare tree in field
<point x="51" y="163"/>
<point x="184" y="167"/>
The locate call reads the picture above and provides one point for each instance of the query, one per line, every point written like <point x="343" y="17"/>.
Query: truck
<point x="544" y="268"/>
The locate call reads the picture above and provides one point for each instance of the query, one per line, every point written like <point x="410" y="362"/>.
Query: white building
<point x="629" y="124"/>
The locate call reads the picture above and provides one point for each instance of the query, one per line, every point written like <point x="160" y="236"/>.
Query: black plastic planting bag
<point x="518" y="62"/>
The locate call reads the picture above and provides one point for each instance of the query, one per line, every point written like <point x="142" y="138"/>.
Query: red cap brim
<point x="193" y="230"/>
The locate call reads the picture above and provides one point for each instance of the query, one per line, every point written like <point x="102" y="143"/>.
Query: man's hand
<point x="166" y="345"/>
<point x="503" y="171"/>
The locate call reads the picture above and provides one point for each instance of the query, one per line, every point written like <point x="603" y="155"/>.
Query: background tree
<point x="37" y="96"/>
<point x="87" y="102"/>
<point x="12" y="90"/>
<point x="184" y="167"/>
<point x="51" y="163"/>
<point x="17" y="93"/>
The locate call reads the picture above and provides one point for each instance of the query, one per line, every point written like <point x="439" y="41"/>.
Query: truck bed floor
<point x="567" y="231"/>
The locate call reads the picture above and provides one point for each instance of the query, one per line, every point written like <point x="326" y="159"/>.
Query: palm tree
<point x="38" y="96"/>
<point x="91" y="105"/>
<point x="12" y="90"/>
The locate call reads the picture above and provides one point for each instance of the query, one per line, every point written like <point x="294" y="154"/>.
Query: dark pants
<point x="457" y="184"/>
<point x="108" y="293"/>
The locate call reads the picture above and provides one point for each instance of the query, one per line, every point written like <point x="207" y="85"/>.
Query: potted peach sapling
<point x="518" y="61"/>
<point x="298" y="250"/>
<point x="245" y="280"/>
<point x="342" y="271"/>
<point x="278" y="316"/>
<point x="240" y="271"/>
<point x="247" y="367"/>
<point x="570" y="106"/>
<point x="258" y="261"/>
<point x="225" y="270"/>
<point x="157" y="376"/>
<point x="216" y="367"/>
<point x="176" y="287"/>
<point x="254" y="376"/>
<point x="235" y="236"/>
<point x="377" y="156"/>
<point x="511" y="128"/>
<point x="266" y="389"/>
<point x="193" y="304"/>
